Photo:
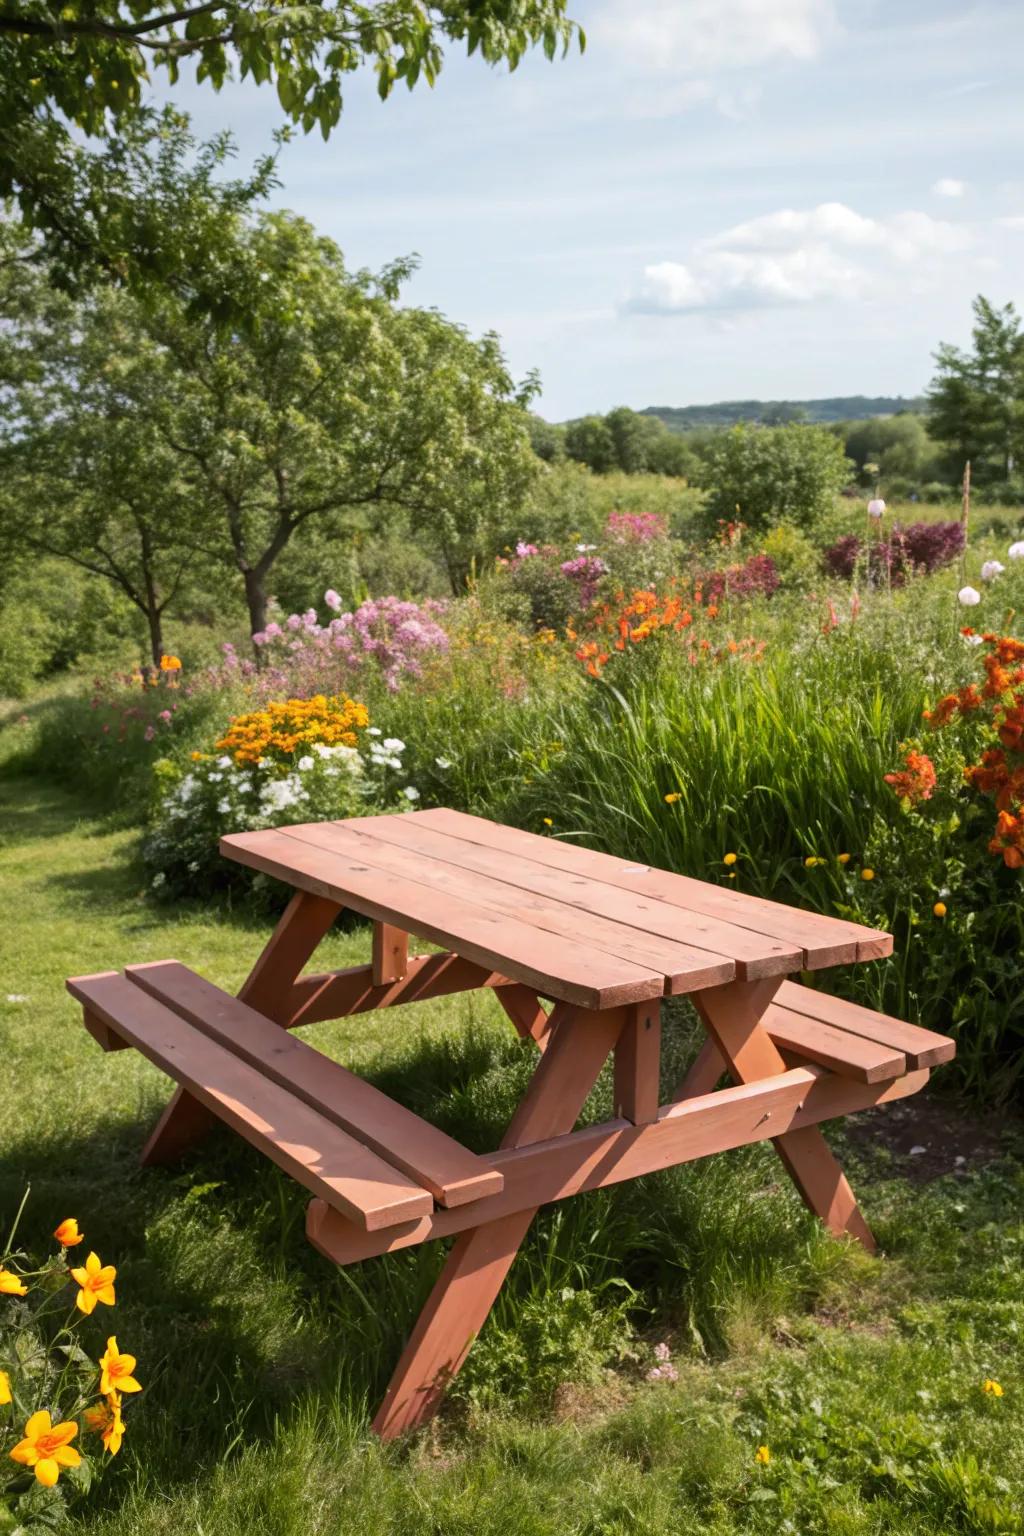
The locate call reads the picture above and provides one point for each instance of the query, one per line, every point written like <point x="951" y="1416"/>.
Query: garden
<point x="830" y="716"/>
<point x="280" y="543"/>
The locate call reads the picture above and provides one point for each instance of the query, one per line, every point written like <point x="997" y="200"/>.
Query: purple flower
<point x="332" y="600"/>
<point x="525" y="550"/>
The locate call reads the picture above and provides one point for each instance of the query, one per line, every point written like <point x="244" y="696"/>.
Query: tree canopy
<point x="68" y="65"/>
<point x="142" y="436"/>
<point x="762" y="475"/>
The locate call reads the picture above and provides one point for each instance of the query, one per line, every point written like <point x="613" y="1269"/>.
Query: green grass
<point x="260" y="1360"/>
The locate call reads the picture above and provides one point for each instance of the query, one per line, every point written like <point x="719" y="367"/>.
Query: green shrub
<point x="765" y="475"/>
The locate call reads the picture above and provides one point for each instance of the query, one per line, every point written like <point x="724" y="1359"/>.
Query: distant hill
<point x="726" y="413"/>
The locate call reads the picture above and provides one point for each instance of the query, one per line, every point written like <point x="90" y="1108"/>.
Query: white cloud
<point x="798" y="256"/>
<point x="949" y="186"/>
<point x="695" y="37"/>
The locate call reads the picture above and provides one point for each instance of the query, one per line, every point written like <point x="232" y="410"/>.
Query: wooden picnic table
<point x="579" y="948"/>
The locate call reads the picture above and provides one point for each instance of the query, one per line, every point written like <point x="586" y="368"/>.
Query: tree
<point x="86" y="476"/>
<point x="629" y="441"/>
<point x="765" y="475"/>
<point x="323" y="404"/>
<point x="976" y="399"/>
<point x="68" y="65"/>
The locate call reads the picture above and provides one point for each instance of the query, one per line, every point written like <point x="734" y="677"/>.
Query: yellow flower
<point x="730" y="858"/>
<point x="763" y="1456"/>
<point x="812" y="862"/>
<point x="867" y="874"/>
<point x="97" y="1284"/>
<point x="843" y="858"/>
<point x="992" y="1388"/>
<point x="673" y="797"/>
<point x="547" y="821"/>
<point x="170" y="664"/>
<point x="116" y="1370"/>
<point x="105" y="1420"/>
<point x="5" y="1387"/>
<point x="46" y="1448"/>
<point x="10" y="1284"/>
<point x="939" y="909"/>
<point x="67" y="1234"/>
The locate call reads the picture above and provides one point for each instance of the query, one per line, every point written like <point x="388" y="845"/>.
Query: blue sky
<point x="720" y="199"/>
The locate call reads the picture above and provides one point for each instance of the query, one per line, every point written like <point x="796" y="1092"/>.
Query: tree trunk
<point x="154" y="619"/>
<point x="256" y="600"/>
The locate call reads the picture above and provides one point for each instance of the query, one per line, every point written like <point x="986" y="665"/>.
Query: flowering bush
<point x="996" y="712"/>
<point x="922" y="548"/>
<point x="50" y="1386"/>
<point x="299" y="760"/>
<point x="757" y="577"/>
<point x="625" y="625"/>
<point x="386" y="634"/>
<point x="636" y="527"/>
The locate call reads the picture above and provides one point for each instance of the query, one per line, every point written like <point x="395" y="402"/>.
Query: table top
<point x="576" y="925"/>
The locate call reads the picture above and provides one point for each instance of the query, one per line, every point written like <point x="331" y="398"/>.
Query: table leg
<point x="733" y="1016"/>
<point x="476" y="1267"/>
<point x="267" y="988"/>
<point x="529" y="1018"/>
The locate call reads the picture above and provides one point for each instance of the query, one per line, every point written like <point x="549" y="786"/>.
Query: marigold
<point x="170" y="664"/>
<point x="46" y="1448"/>
<point x="763" y="1456"/>
<point x="282" y="728"/>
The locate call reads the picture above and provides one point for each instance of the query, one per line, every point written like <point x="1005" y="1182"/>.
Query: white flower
<point x="991" y="569"/>
<point x="972" y="639"/>
<point x="876" y="507"/>
<point x="1016" y="551"/>
<point x="224" y="806"/>
<point x="17" y="997"/>
<point x="305" y="764"/>
<point x="225" y="762"/>
<point x="158" y="880"/>
<point x="584" y="549"/>
<point x="442" y="762"/>
<point x="392" y="744"/>
<point x="969" y="597"/>
<point x="193" y="867"/>
<point x="410" y="792"/>
<point x="279" y="794"/>
<point x="214" y="778"/>
<point x="332" y="600"/>
<point x="393" y="762"/>
<point x="322" y="749"/>
<point x="374" y="730"/>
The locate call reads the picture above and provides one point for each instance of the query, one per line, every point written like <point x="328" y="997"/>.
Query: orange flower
<point x="105" y="1420"/>
<point x="96" y="1282"/>
<point x="67" y="1234"/>
<point x="116" y="1370"/>
<point x="917" y="781"/>
<point x="47" y="1448"/>
<point x="11" y="1284"/>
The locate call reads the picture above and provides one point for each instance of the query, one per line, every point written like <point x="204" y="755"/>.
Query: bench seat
<point x="359" y="1150"/>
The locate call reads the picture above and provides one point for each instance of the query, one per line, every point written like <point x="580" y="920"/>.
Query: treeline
<point x="973" y="411"/>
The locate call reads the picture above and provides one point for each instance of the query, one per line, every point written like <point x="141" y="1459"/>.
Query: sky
<point x="719" y="200"/>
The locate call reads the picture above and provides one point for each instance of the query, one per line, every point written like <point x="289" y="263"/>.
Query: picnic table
<point x="579" y="948"/>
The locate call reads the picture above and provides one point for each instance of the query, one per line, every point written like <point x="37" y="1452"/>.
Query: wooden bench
<point x="357" y="1149"/>
<point x="579" y="948"/>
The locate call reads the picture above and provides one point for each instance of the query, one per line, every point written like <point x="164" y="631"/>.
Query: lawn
<point x="863" y="1378"/>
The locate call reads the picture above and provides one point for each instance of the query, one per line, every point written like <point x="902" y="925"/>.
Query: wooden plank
<point x="305" y="921"/>
<point x="101" y="1034"/>
<point x="921" y="1047"/>
<point x="684" y="967"/>
<point x="529" y="1018"/>
<point x="306" y="1145"/>
<point x="338" y="994"/>
<point x="734" y="1015"/>
<point x="431" y="1159"/>
<point x="480" y="1259"/>
<point x="637" y="1065"/>
<point x="850" y="1055"/>
<point x="601" y="1155"/>
<point x="572" y="972"/>
<point x="510" y="881"/>
<point x="390" y="954"/>
<point x="824" y="940"/>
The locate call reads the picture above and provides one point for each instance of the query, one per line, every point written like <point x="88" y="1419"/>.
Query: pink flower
<point x="149" y="732"/>
<point x="525" y="550"/>
<point x="332" y="600"/>
<point x="164" y="715"/>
